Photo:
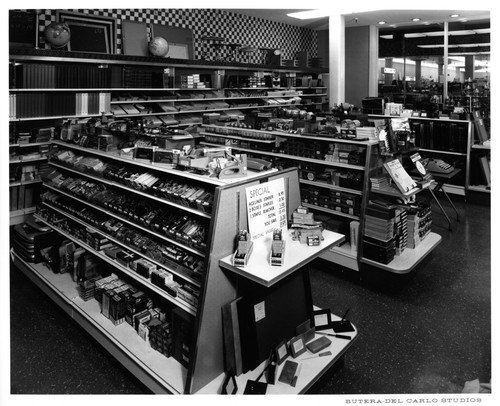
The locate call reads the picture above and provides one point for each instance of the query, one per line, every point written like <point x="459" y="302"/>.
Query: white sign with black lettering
<point x="266" y="208"/>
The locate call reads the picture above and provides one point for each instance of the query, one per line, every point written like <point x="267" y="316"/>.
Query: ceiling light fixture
<point x="454" y="15"/>
<point x="415" y="19"/>
<point x="381" y="22"/>
<point x="305" y="15"/>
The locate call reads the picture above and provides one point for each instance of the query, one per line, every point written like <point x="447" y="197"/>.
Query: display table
<point x="297" y="255"/>
<point x="440" y="179"/>
<point x="311" y="367"/>
<point x="261" y="273"/>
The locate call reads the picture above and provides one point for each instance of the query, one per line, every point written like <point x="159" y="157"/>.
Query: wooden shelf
<point x="159" y="373"/>
<point x="410" y="258"/>
<point x="297" y="255"/>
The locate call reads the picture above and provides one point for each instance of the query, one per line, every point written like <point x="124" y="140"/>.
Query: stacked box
<point x="401" y="230"/>
<point x="160" y="336"/>
<point x="379" y="242"/>
<point x="182" y="330"/>
<point x="419" y="224"/>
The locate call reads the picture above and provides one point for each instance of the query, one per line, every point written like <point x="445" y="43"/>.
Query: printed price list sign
<point x="266" y="208"/>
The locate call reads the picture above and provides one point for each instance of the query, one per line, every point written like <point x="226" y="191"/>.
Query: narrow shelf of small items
<point x="301" y="242"/>
<point x="295" y="364"/>
<point x="169" y="374"/>
<point x="481" y="169"/>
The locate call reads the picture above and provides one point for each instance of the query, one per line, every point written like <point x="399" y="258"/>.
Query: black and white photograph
<point x="249" y="199"/>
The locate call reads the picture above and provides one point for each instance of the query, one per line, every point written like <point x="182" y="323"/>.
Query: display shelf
<point x="59" y="56"/>
<point x="462" y="141"/>
<point x="409" y="258"/>
<point x="439" y="151"/>
<point x="297" y="158"/>
<point x="127" y="271"/>
<point x="17" y="216"/>
<point x="258" y="268"/>
<point x="421" y="118"/>
<point x="114" y="155"/>
<point x="23" y="161"/>
<point x="265" y="106"/>
<point x="235" y="131"/>
<point x="407" y="196"/>
<point x="482" y="146"/>
<point x="64" y="117"/>
<point x="330" y="211"/>
<point x="31" y="144"/>
<point x="134" y="191"/>
<point x="343" y="255"/>
<point x="120" y="243"/>
<point x="127" y="221"/>
<point x="24" y="182"/>
<point x="480" y="188"/>
<point x="236" y="137"/>
<point x="197" y="99"/>
<point x="159" y="373"/>
<point x="330" y="186"/>
<point x="312" y="367"/>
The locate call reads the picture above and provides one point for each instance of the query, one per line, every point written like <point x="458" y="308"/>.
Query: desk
<point x="440" y="179"/>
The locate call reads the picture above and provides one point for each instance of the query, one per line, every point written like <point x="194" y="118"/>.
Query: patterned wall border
<point x="233" y="27"/>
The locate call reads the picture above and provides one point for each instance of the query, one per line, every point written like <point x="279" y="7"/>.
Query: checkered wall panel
<point x="234" y="28"/>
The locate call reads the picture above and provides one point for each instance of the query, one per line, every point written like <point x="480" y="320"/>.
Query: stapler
<point x="234" y="169"/>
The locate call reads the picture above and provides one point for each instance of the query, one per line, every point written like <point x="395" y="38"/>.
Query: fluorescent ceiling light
<point x="381" y="22"/>
<point x="485" y="44"/>
<point x="415" y="19"/>
<point x="472" y="53"/>
<point x="462" y="32"/>
<point x="389" y="36"/>
<point x="414" y="35"/>
<point x="304" y="15"/>
<point x="454" y="15"/>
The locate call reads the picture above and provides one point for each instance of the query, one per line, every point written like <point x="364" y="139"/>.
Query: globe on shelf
<point x="57" y="34"/>
<point x="158" y="46"/>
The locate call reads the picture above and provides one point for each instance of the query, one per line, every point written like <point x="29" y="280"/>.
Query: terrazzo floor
<point x="429" y="333"/>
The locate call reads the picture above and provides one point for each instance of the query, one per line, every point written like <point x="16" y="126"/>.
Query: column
<point x="469" y="66"/>
<point x="337" y="59"/>
<point x="418" y="73"/>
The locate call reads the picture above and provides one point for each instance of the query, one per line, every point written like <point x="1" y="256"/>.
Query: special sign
<point x="266" y="208"/>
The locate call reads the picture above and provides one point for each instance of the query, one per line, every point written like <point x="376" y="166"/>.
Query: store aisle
<point x="428" y="336"/>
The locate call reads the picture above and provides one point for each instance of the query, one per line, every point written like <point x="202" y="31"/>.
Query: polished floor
<point x="429" y="333"/>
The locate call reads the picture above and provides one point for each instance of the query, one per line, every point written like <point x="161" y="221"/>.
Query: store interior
<point x="423" y="327"/>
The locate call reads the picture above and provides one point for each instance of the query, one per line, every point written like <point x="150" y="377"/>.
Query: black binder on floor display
<point x="269" y="315"/>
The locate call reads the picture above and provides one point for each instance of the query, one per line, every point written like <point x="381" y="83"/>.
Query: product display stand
<point x="312" y="367"/>
<point x="297" y="255"/>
